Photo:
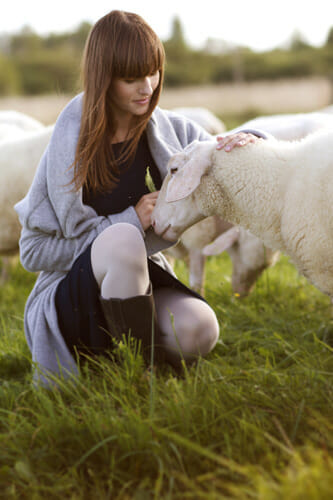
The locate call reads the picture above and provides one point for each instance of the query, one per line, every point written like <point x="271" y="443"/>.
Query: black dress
<point x="80" y="315"/>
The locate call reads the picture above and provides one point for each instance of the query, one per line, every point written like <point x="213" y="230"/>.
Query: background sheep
<point x="19" y="120"/>
<point x="18" y="162"/>
<point x="281" y="191"/>
<point x="14" y="125"/>
<point x="248" y="254"/>
<point x="291" y="127"/>
<point x="205" y="118"/>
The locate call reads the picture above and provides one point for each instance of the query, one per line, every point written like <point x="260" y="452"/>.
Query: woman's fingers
<point x="228" y="142"/>
<point x="144" y="208"/>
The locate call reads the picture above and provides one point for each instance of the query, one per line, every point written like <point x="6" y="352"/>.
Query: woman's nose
<point x="146" y="88"/>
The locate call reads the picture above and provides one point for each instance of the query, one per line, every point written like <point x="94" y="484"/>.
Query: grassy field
<point x="251" y="421"/>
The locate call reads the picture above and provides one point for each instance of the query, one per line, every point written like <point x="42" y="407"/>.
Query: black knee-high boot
<point x="136" y="317"/>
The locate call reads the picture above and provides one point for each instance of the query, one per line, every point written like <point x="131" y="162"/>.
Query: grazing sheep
<point x="10" y="131"/>
<point x="190" y="245"/>
<point x="205" y="118"/>
<point x="290" y="127"/>
<point x="13" y="126"/>
<point x="212" y="236"/>
<point x="248" y="254"/>
<point x="281" y="191"/>
<point x="20" y="120"/>
<point x="18" y="161"/>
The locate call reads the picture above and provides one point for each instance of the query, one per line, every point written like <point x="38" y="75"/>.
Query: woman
<point x="86" y="218"/>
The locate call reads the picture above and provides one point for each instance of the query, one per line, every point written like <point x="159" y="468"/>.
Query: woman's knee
<point x="199" y="329"/>
<point x="190" y="324"/>
<point x="120" y="244"/>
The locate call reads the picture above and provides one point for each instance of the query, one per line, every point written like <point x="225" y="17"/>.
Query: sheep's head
<point x="176" y="209"/>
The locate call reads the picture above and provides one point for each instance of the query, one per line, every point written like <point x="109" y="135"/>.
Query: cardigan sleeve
<point x="45" y="251"/>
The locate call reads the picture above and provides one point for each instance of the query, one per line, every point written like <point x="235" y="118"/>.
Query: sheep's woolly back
<point x="282" y="192"/>
<point x="292" y="126"/>
<point x="204" y="118"/>
<point x="20" y="120"/>
<point x="18" y="162"/>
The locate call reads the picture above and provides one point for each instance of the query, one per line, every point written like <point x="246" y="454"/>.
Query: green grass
<point x="253" y="420"/>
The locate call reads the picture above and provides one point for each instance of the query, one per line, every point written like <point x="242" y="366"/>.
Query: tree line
<point x="34" y="64"/>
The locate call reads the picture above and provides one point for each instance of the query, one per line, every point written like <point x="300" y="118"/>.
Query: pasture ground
<point x="253" y="420"/>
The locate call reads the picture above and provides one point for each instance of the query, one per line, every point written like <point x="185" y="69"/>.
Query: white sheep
<point x="14" y="125"/>
<point x="18" y="162"/>
<point x="248" y="255"/>
<point x="190" y="246"/>
<point x="281" y="191"/>
<point x="20" y="120"/>
<point x="291" y="127"/>
<point x="212" y="236"/>
<point x="205" y="118"/>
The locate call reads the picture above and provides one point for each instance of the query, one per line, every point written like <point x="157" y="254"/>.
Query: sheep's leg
<point x="197" y="271"/>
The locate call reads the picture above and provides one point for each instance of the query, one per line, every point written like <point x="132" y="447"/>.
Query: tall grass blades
<point x="253" y="420"/>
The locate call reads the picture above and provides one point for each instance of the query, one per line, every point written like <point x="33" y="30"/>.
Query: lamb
<point x="248" y="254"/>
<point x="18" y="161"/>
<point x="281" y="191"/>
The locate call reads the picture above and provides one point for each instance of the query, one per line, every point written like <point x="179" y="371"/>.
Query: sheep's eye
<point x="173" y="170"/>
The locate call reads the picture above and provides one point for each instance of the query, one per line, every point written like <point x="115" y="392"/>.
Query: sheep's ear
<point x="222" y="242"/>
<point x="185" y="180"/>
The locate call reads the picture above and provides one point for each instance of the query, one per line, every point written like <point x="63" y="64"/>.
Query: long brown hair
<point x="120" y="45"/>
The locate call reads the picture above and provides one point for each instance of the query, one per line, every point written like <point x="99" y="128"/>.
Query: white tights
<point x="119" y="264"/>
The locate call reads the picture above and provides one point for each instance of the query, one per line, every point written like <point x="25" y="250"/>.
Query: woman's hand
<point x="228" y="142"/>
<point x="144" y="208"/>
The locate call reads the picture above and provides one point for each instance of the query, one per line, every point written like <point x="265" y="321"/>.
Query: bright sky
<point x="259" y="24"/>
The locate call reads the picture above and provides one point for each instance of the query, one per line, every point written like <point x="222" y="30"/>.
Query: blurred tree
<point x="177" y="34"/>
<point x="26" y="41"/>
<point x="32" y="64"/>
<point x="329" y="40"/>
<point x="298" y="41"/>
<point x="176" y="47"/>
<point x="10" y="81"/>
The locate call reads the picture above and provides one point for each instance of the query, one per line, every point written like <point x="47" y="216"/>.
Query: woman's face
<point x="132" y="96"/>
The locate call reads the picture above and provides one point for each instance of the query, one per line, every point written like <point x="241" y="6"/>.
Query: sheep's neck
<point x="252" y="186"/>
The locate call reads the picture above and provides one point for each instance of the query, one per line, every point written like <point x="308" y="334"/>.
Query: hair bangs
<point x="137" y="56"/>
